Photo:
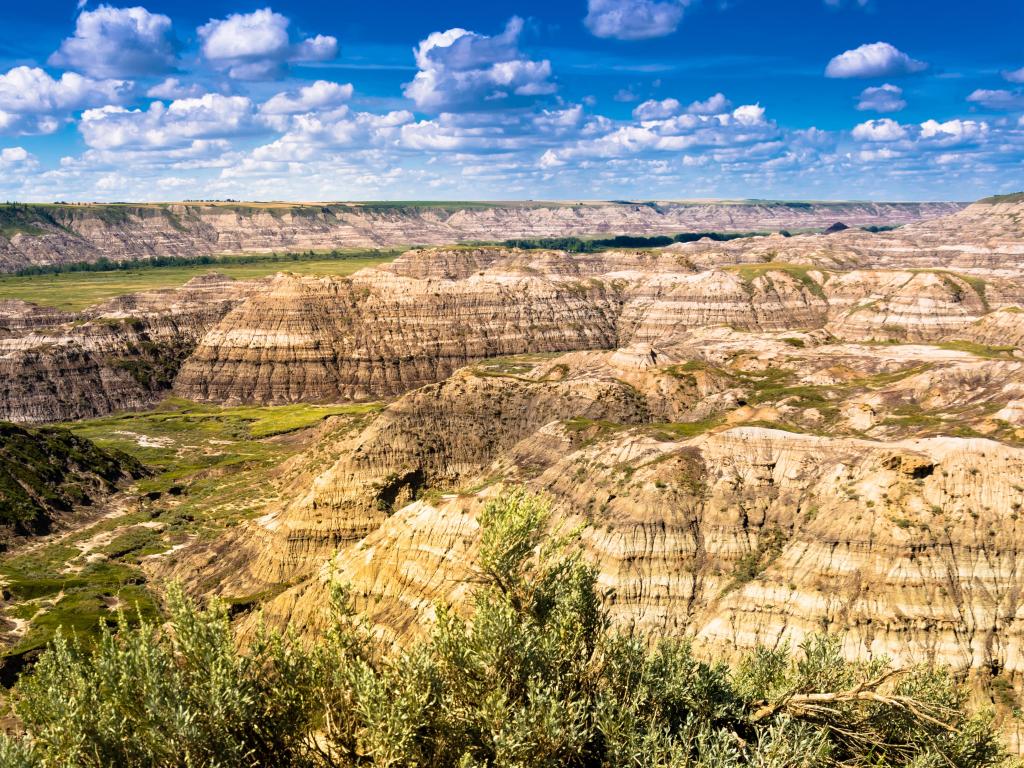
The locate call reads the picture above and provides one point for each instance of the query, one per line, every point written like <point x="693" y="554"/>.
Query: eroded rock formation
<point x="120" y="355"/>
<point x="62" y="234"/>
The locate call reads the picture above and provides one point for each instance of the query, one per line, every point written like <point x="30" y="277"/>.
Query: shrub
<point x="535" y="677"/>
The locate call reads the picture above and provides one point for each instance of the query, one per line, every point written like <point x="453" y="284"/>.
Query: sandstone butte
<point x="763" y="438"/>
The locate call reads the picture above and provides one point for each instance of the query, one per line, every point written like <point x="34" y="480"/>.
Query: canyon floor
<point x="760" y="439"/>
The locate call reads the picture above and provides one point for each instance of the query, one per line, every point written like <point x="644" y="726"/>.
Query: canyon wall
<point x="119" y="355"/>
<point x="43" y="235"/>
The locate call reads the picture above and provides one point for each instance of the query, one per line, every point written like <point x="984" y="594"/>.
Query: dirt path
<point x="120" y="504"/>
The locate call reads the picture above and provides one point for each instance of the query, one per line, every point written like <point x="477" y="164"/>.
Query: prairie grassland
<point x="74" y="291"/>
<point x="211" y="468"/>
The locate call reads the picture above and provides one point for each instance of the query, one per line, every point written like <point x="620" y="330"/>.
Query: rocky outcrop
<point x="120" y="355"/>
<point x="376" y="335"/>
<point x="440" y="435"/>
<point x="62" y="234"/>
<point x="385" y="331"/>
<point x="1004" y="327"/>
<point x="911" y="306"/>
<point x="774" y="300"/>
<point x="742" y="537"/>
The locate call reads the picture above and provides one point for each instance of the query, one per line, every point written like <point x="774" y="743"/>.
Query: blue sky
<point x="511" y="99"/>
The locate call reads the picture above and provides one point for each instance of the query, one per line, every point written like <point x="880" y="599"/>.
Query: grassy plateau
<point x="74" y="291"/>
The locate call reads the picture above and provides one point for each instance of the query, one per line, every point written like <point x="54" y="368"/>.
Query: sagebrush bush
<point x="535" y="677"/>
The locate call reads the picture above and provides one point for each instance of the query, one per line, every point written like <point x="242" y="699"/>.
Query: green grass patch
<point x="750" y="272"/>
<point x="683" y="430"/>
<point x="211" y="471"/>
<point x="979" y="350"/>
<point x="181" y="438"/>
<point x="1013" y="197"/>
<point x="74" y="291"/>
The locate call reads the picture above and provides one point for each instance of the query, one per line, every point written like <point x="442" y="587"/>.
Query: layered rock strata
<point x="62" y="234"/>
<point x="120" y="355"/>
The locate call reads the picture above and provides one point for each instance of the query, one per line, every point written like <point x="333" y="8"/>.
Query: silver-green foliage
<point x="533" y="678"/>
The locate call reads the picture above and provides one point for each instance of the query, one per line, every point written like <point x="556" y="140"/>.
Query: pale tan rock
<point x="119" y="355"/>
<point x="85" y="233"/>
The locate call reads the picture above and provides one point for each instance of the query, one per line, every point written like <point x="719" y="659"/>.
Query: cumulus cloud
<point x="634" y="19"/>
<point x="167" y="126"/>
<point x="172" y="88"/>
<point x="1016" y="76"/>
<point x="744" y="132"/>
<point x="712" y="106"/>
<point x="930" y="134"/>
<point x="749" y="114"/>
<point x="880" y="131"/>
<point x="320" y="95"/>
<point x="33" y="102"/>
<point x="998" y="99"/>
<point x="16" y="158"/>
<point x="884" y="98"/>
<point x="559" y="120"/>
<point x="310" y="135"/>
<point x="953" y="132"/>
<point x="873" y="60"/>
<point x="257" y="46"/>
<point x="459" y="68"/>
<point x="657" y="110"/>
<point x="119" y="42"/>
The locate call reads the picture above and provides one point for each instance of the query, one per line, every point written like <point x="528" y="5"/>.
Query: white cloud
<point x="458" y="68"/>
<point x="33" y="102"/>
<point x="320" y="95"/>
<point x="749" y="114"/>
<point x="14" y="158"/>
<point x="883" y="130"/>
<point x="714" y="105"/>
<point x="884" y="98"/>
<point x="257" y="46"/>
<point x="119" y="42"/>
<point x="729" y="137"/>
<point x="309" y="134"/>
<point x="954" y="132"/>
<point x="17" y="166"/>
<point x="634" y="19"/>
<point x="559" y="120"/>
<point x="657" y="110"/>
<point x="168" y="126"/>
<point x="873" y="60"/>
<point x="173" y="88"/>
<point x="998" y="99"/>
<point x="1016" y="76"/>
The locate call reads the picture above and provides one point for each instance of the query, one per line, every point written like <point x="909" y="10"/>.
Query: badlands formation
<point x="65" y="234"/>
<point x="761" y="438"/>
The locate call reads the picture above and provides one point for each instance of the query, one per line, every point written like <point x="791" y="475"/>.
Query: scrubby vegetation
<point x="593" y="245"/>
<point x="50" y="470"/>
<point x="535" y="678"/>
<point x="1013" y="197"/>
<point x="109" y="265"/>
